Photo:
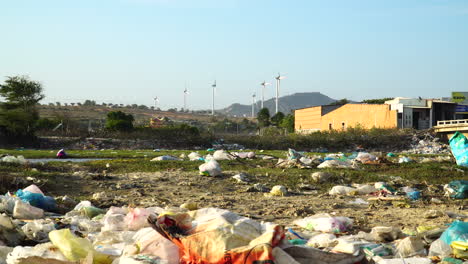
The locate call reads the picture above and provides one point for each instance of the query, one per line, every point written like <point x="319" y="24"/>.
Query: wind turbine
<point x="185" y="98"/>
<point x="213" y="97"/>
<point x="278" y="82"/>
<point x="253" y="105"/>
<point x="156" y="101"/>
<point x="264" y="84"/>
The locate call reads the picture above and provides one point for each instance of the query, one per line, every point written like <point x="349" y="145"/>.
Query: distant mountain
<point x="286" y="104"/>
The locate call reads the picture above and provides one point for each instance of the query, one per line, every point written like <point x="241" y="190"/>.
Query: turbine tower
<point x="253" y="105"/>
<point x="156" y="100"/>
<point x="278" y="82"/>
<point x="264" y="84"/>
<point x="213" y="97"/>
<point x="185" y="98"/>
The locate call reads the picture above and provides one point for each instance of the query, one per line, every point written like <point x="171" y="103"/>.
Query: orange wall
<point x="308" y="118"/>
<point x="365" y="115"/>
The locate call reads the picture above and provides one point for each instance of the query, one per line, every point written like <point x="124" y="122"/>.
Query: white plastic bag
<point x="166" y="157"/>
<point x="409" y="247"/>
<point x="12" y="159"/>
<point x="439" y="248"/>
<point x="366" y="189"/>
<point x="38" y="230"/>
<point x="152" y="243"/>
<point x="45" y="253"/>
<point x="365" y="157"/>
<point x="113" y="222"/>
<point x="335" y="164"/>
<point x="341" y="190"/>
<point x="26" y="211"/>
<point x="194" y="156"/>
<point x="325" y="223"/>
<point x="222" y="155"/>
<point x="136" y="219"/>
<point x="211" y="168"/>
<point x="322" y="241"/>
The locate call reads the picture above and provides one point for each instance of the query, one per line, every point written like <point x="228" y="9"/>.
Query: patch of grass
<point x="263" y="171"/>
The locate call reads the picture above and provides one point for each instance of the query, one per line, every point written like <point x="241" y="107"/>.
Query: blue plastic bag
<point x="459" y="146"/>
<point x="458" y="231"/>
<point x="416" y="195"/>
<point x="37" y="200"/>
<point x="460" y="188"/>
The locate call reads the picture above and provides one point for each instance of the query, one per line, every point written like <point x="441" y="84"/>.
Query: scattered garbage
<point x="336" y="164"/>
<point x="361" y="189"/>
<point x="241" y="178"/>
<point x="192" y="234"/>
<point x="322" y="241"/>
<point x="244" y="155"/>
<point x="12" y="159"/>
<point x="34" y="196"/>
<point x="427" y="144"/>
<point x="404" y="160"/>
<point x="359" y="201"/>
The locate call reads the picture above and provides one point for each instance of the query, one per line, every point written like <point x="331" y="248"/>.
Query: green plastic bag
<point x="459" y="146"/>
<point x="76" y="248"/>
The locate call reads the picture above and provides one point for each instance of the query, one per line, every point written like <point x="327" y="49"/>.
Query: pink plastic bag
<point x="33" y="189"/>
<point x="136" y="219"/>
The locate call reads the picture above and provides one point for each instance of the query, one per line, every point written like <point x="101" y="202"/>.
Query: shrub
<point x="119" y="121"/>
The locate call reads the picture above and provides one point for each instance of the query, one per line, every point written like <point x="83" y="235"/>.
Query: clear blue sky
<point x="128" y="51"/>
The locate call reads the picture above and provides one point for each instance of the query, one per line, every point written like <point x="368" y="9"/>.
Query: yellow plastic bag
<point x="76" y="248"/>
<point x="460" y="249"/>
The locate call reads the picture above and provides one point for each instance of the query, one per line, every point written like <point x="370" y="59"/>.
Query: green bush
<point x="333" y="140"/>
<point x="119" y="121"/>
<point x="46" y="123"/>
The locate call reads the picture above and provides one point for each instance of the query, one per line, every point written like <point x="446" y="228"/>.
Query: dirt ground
<point x="173" y="188"/>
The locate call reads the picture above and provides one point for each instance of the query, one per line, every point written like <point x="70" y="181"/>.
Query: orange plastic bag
<point x="216" y="242"/>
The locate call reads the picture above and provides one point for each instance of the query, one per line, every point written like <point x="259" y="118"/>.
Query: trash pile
<point x="31" y="231"/>
<point x="427" y="145"/>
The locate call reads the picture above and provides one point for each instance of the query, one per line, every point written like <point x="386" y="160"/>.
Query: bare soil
<point x="173" y="188"/>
